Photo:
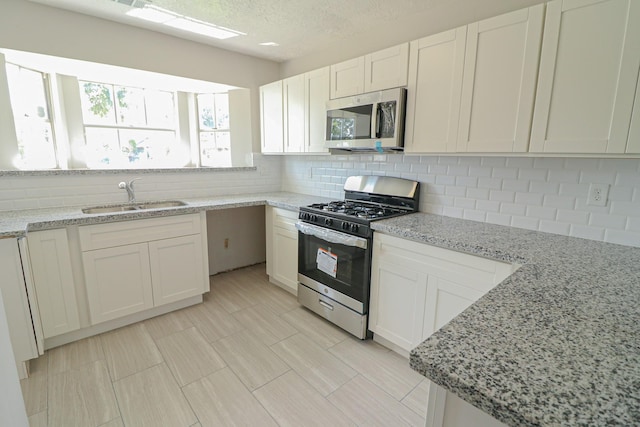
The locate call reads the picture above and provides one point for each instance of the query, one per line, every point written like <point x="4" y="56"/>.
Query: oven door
<point x="335" y="260"/>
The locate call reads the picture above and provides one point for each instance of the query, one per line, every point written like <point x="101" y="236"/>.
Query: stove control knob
<point x="345" y="225"/>
<point x="314" y="218"/>
<point x="354" y="227"/>
<point x="303" y="215"/>
<point x="328" y="221"/>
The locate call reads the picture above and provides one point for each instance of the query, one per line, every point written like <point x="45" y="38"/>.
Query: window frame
<point x="51" y="112"/>
<point x="66" y="121"/>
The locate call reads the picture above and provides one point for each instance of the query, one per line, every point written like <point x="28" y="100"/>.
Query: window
<point x="28" y="93"/>
<point x="128" y="127"/>
<point x="213" y="123"/>
<point x="78" y="114"/>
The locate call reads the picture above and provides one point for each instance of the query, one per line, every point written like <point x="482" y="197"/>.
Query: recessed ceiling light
<point x="158" y="15"/>
<point x="151" y="13"/>
<point x="202" y="28"/>
<point x="269" y="44"/>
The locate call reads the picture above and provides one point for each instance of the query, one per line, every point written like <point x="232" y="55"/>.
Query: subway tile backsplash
<point x="538" y="193"/>
<point x="32" y="192"/>
<point x="545" y="194"/>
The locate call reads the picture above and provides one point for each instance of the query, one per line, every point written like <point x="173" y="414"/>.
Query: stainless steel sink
<point x="160" y="205"/>
<point x="132" y="207"/>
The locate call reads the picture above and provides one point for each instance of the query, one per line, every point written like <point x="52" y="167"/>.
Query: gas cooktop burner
<point x="356" y="209"/>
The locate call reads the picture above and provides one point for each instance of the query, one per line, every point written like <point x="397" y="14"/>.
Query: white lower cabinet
<point x="118" y="281"/>
<point x="136" y="265"/>
<point x="50" y="261"/>
<point x="282" y="248"/>
<point x="176" y="268"/>
<point x="417" y="288"/>
<point x="17" y="305"/>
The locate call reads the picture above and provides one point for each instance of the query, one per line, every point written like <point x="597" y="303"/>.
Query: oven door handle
<point x="332" y="236"/>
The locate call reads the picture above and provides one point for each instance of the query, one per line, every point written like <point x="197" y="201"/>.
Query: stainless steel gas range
<point x="334" y="247"/>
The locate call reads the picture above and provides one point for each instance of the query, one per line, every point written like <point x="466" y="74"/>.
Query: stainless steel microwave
<point x="371" y="121"/>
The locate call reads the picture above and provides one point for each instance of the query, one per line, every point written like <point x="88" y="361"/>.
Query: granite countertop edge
<point x="555" y="343"/>
<point x="17" y="223"/>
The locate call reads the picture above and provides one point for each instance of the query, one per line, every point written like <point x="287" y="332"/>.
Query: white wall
<point x="33" y="27"/>
<point x="545" y="194"/>
<point x="437" y="16"/>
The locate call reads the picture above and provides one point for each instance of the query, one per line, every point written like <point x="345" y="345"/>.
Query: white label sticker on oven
<point x="327" y="262"/>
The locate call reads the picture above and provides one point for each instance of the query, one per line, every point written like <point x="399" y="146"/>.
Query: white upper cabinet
<point x="588" y="75"/>
<point x="433" y="92"/>
<point x="386" y="68"/>
<point x="294" y="117"/>
<point x="499" y="82"/>
<point x="292" y="113"/>
<point x="271" y="106"/>
<point x="316" y="94"/>
<point x="347" y="78"/>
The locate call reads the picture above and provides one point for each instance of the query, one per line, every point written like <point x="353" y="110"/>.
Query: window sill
<point x="51" y="172"/>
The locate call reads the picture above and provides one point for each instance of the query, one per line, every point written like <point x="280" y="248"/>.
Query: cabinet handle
<point x="325" y="305"/>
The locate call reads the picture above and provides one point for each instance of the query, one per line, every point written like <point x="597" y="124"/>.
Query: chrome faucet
<point x="129" y="187"/>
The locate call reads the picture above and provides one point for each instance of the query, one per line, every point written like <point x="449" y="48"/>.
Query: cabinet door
<point x="433" y="92"/>
<point x="53" y="281"/>
<point x="588" y="72"/>
<point x="118" y="281"/>
<point x="285" y="257"/>
<point x="294" y="121"/>
<point x="501" y="65"/>
<point x="445" y="300"/>
<point x="397" y="298"/>
<point x="271" y="118"/>
<point x="347" y="78"/>
<point x="282" y="248"/>
<point x="633" y="142"/>
<point x="386" y="68"/>
<point x="16" y="302"/>
<point x="177" y="268"/>
<point x="316" y="92"/>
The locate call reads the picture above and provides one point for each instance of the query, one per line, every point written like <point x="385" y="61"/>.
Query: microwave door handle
<point x="378" y="129"/>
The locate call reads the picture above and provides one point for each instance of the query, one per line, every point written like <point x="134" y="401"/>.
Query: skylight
<point x="159" y="15"/>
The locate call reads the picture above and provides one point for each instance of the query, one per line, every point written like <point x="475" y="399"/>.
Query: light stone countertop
<point x="555" y="344"/>
<point x="17" y="223"/>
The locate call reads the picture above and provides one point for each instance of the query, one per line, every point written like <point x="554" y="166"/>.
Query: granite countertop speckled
<point x="18" y="222"/>
<point x="555" y="344"/>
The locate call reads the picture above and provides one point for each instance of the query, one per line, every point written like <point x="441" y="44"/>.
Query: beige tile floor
<point x="249" y="355"/>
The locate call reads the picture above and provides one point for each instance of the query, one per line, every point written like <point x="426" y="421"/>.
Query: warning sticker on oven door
<point x="327" y="262"/>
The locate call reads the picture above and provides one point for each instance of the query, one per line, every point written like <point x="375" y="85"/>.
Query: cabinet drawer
<point x="284" y="219"/>
<point x="137" y="231"/>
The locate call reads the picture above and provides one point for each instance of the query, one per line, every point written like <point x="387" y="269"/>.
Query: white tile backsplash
<point x="32" y="192"/>
<point x="546" y="194"/>
<point x="539" y="193"/>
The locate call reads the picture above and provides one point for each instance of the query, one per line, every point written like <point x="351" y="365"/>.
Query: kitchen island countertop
<point x="556" y="343"/>
<point x="17" y="223"/>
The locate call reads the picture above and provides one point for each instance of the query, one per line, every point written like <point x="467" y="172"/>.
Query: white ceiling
<point x="300" y="27"/>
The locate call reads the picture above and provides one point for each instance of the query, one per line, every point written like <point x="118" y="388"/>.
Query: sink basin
<point x="159" y="205"/>
<point x="134" y="207"/>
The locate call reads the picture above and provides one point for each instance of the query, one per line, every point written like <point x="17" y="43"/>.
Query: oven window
<point x="340" y="267"/>
<point x="349" y="123"/>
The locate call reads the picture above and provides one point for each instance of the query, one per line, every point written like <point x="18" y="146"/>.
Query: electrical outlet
<point x="598" y="194"/>
<point x="226" y="243"/>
